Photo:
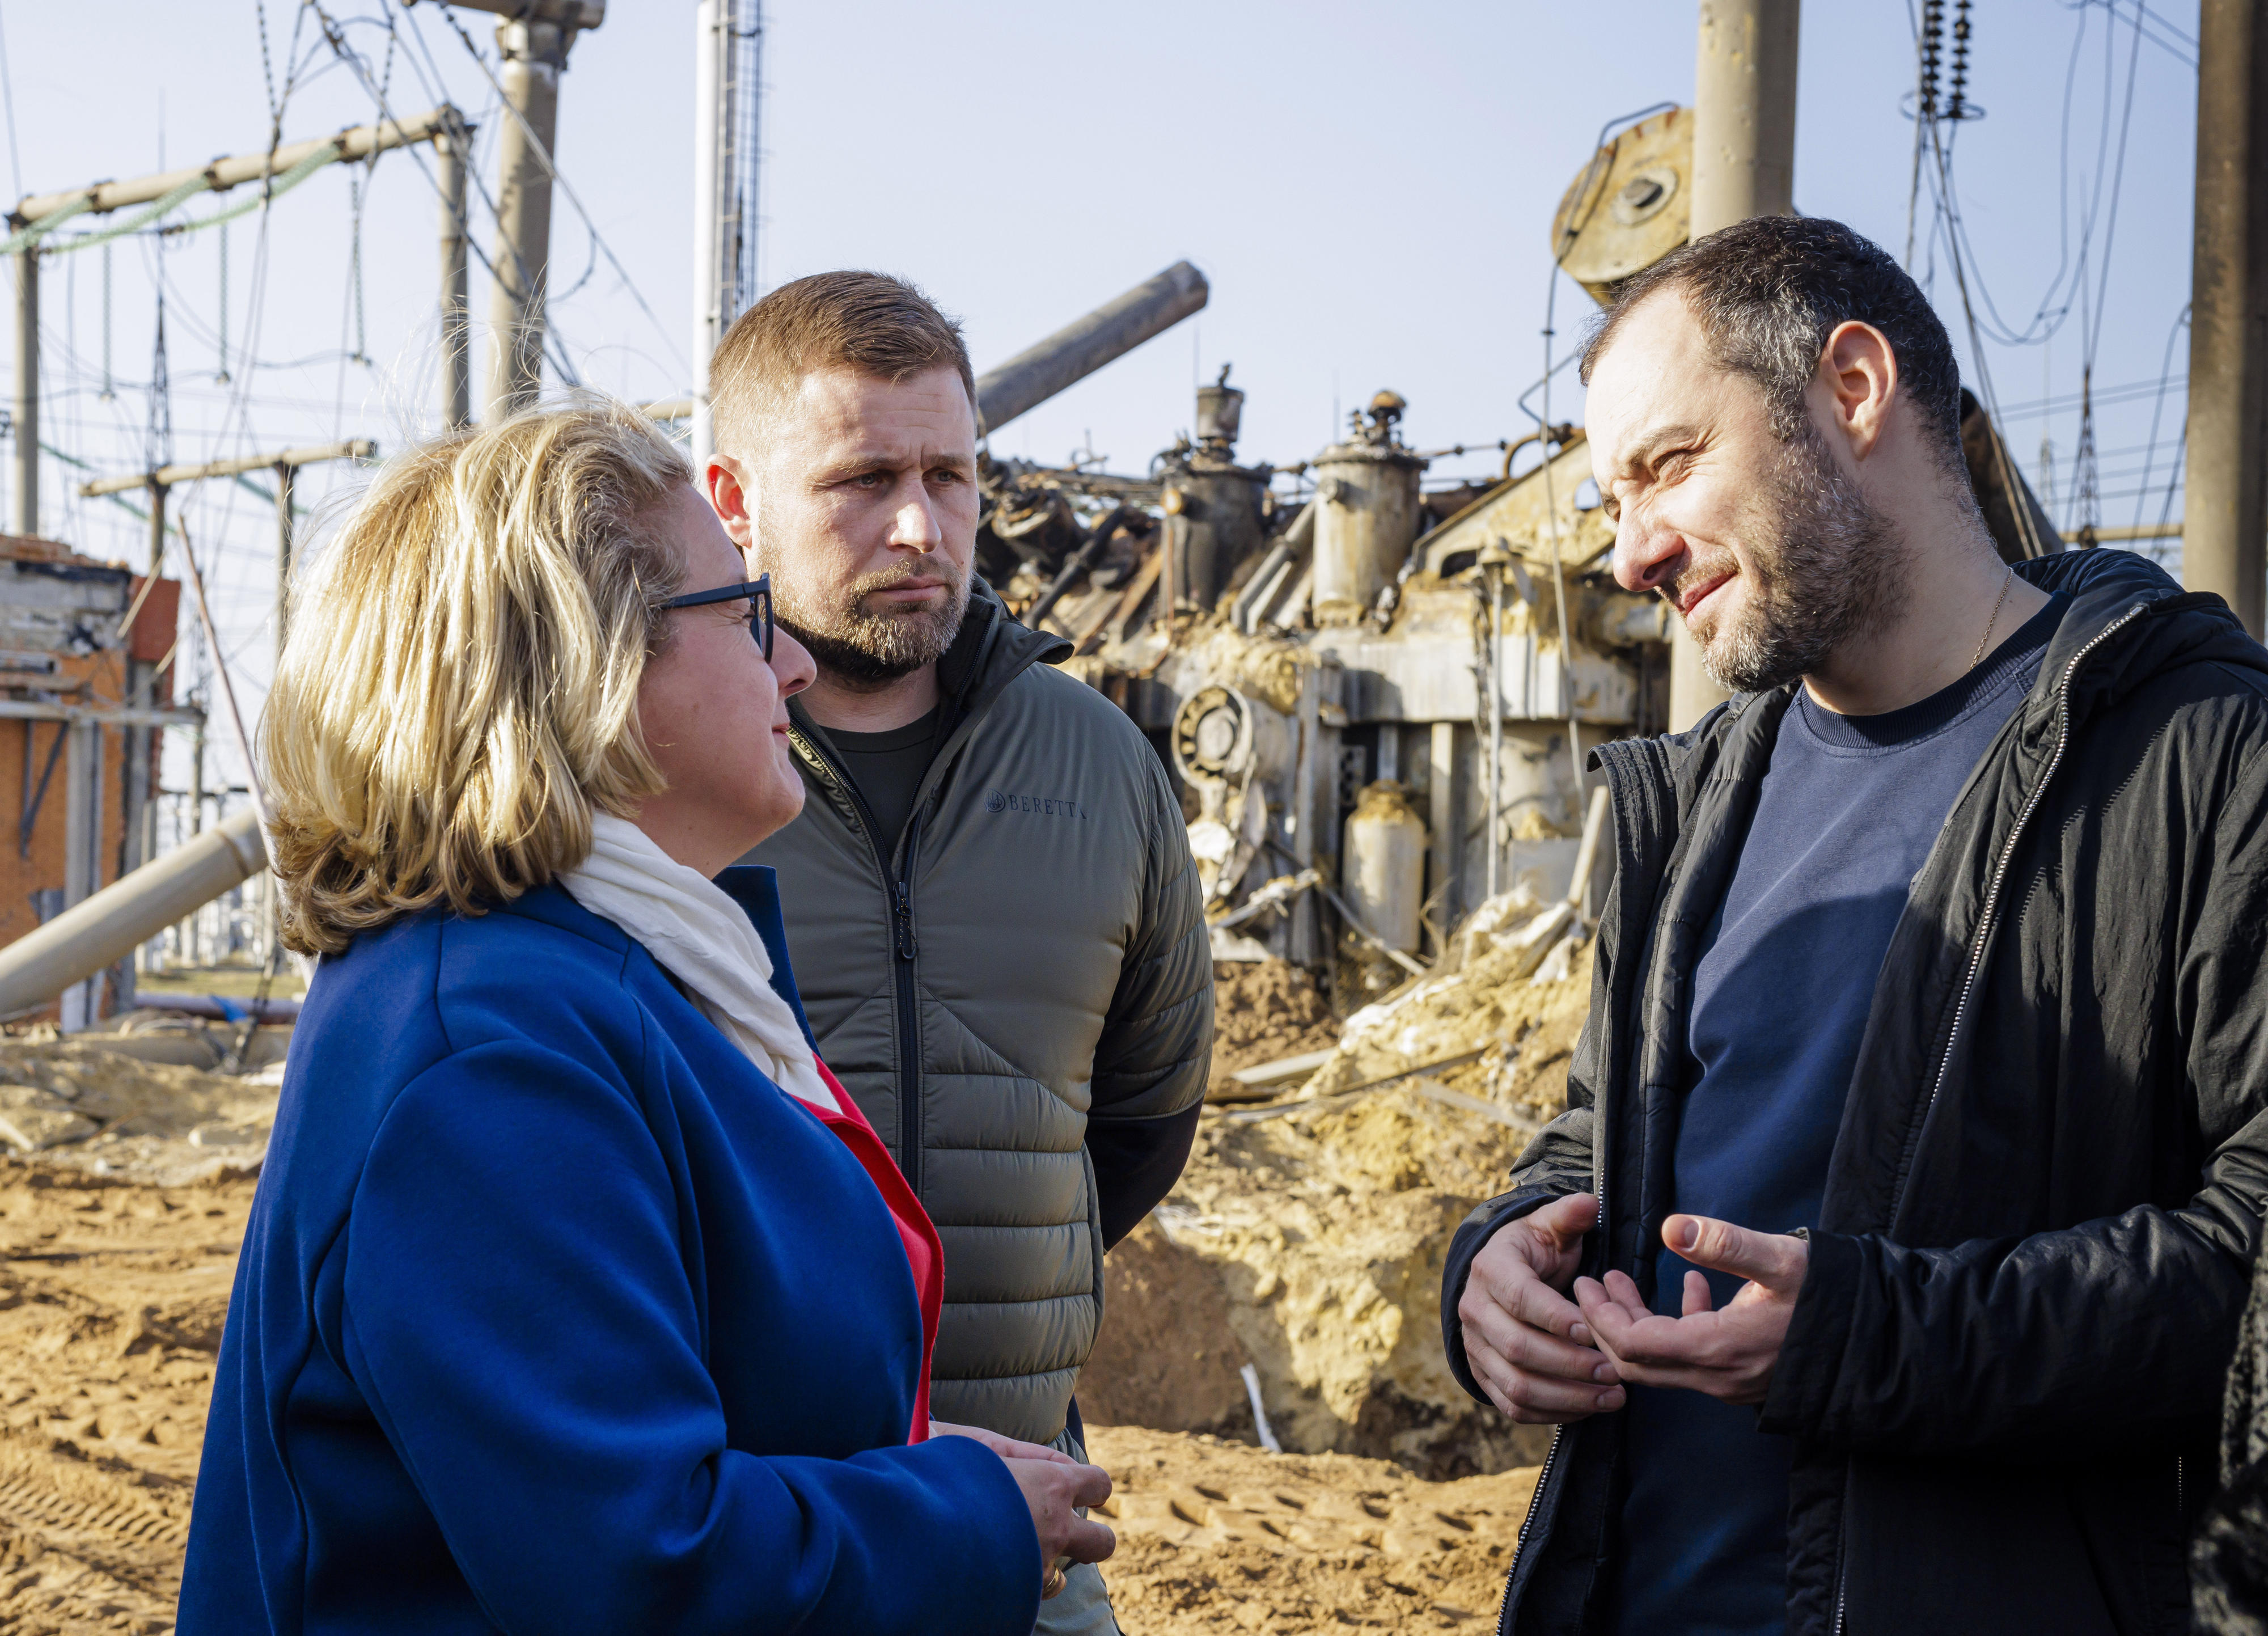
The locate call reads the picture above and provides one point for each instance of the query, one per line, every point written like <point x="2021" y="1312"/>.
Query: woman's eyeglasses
<point x="757" y="591"/>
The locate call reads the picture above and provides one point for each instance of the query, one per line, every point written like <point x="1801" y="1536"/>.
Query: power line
<point x="551" y="169"/>
<point x="335" y="34"/>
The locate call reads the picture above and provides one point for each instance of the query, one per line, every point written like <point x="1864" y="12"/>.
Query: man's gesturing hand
<point x="1527" y="1344"/>
<point x="1728" y="1355"/>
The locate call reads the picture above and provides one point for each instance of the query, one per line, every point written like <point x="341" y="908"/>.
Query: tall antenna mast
<point x="728" y="61"/>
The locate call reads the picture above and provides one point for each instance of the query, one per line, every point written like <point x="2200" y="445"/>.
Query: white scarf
<point x="701" y="936"/>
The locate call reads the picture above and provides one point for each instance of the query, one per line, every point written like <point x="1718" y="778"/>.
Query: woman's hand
<point x="1054" y="1487"/>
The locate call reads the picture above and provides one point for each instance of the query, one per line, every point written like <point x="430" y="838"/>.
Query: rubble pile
<point x="83" y="1105"/>
<point x="1307" y="1236"/>
<point x="1265" y="1011"/>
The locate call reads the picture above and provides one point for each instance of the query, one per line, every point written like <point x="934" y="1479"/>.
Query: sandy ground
<point x="111" y="1296"/>
<point x="1305" y="1239"/>
<point x="1217" y="1535"/>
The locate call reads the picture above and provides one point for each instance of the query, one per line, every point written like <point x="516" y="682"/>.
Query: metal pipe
<point x="357" y="142"/>
<point x="1743" y="166"/>
<point x="1081" y="560"/>
<point x="109" y="924"/>
<point x="1496" y="721"/>
<point x="1079" y="348"/>
<point x="451" y="148"/>
<point x="1297" y="538"/>
<point x="24" y="502"/>
<point x="2225" y="512"/>
<point x="533" y="54"/>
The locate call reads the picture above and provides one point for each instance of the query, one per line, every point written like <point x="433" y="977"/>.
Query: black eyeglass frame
<point x="758" y="590"/>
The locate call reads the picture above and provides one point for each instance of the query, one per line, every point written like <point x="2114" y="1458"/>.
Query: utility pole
<point x="451" y="148"/>
<point x="534" y="37"/>
<point x="726" y="63"/>
<point x="2225" y="514"/>
<point x="1743" y="166"/>
<point x="158" y="484"/>
<point x="24" y="518"/>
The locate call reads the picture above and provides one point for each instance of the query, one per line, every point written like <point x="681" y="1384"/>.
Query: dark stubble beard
<point x="1828" y="568"/>
<point x="862" y="647"/>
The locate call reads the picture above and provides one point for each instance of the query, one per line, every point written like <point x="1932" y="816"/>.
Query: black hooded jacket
<point x="2004" y="1369"/>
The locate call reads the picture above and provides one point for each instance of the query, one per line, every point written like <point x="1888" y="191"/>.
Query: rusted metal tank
<point x="1383" y="864"/>
<point x="1366" y="512"/>
<point x="1214" y="515"/>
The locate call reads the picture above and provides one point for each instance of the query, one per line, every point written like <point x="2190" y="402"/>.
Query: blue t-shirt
<point x="1849" y="809"/>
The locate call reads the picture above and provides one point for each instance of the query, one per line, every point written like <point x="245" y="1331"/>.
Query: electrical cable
<point x="336" y="36"/>
<point x="543" y="154"/>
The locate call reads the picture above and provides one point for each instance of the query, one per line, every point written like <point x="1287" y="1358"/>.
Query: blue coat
<point x="554" y="1314"/>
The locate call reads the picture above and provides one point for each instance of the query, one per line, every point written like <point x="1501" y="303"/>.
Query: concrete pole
<point x="533" y="54"/>
<point x="1743" y="166"/>
<point x="2224" y="514"/>
<point x="82" y="855"/>
<point x="712" y="50"/>
<point x="456" y="301"/>
<point x="139" y="742"/>
<point x="24" y="507"/>
<point x="1441" y="787"/>
<point x="285" y="472"/>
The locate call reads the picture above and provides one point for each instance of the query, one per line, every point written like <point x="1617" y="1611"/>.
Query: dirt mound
<point x="1307" y="1238"/>
<point x="1523" y="1029"/>
<point x="1265" y="1011"/>
<point x="82" y="1107"/>
<point x="112" y="1297"/>
<point x="1218" y="1536"/>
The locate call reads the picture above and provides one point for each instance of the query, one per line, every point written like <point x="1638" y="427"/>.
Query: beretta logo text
<point x="1047" y="806"/>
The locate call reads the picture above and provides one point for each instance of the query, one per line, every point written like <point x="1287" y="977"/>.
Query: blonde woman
<point x="577" y="1297"/>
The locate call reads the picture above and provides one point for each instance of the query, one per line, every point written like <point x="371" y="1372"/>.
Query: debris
<point x="28" y="1130"/>
<point x="1263" y="1011"/>
<point x="1259" y="1410"/>
<point x="1306" y="1237"/>
<point x="1282" y="1068"/>
<point x="81" y="1104"/>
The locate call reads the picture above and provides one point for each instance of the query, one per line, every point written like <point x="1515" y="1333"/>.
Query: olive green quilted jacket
<point x="1023" y="968"/>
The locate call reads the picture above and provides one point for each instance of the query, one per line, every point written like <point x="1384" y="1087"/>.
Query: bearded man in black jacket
<point x="1882" y="1273"/>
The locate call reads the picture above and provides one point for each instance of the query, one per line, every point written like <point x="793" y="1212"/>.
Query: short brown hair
<point x="460" y="688"/>
<point x="871" y="323"/>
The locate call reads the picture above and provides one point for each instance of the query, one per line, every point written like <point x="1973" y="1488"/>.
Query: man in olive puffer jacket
<point x="996" y="924"/>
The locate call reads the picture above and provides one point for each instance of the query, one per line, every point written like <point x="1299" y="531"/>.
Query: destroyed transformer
<point x="1378" y="698"/>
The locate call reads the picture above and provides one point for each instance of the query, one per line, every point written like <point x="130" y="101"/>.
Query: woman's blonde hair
<point x="459" y="687"/>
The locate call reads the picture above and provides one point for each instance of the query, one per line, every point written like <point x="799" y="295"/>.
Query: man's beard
<point x="862" y="648"/>
<point x="1825" y="568"/>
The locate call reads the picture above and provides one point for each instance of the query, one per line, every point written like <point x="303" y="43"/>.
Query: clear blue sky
<point x="1369" y="190"/>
